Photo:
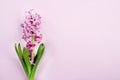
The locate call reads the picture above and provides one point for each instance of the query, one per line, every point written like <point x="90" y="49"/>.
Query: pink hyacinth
<point x="31" y="30"/>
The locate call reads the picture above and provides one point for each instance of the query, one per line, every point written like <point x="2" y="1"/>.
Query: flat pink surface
<point x="82" y="39"/>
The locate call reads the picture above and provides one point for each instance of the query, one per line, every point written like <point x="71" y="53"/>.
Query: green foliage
<point x="27" y="61"/>
<point x="29" y="68"/>
<point x="19" y="53"/>
<point x="37" y="58"/>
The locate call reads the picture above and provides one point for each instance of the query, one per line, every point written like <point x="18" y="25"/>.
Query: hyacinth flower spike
<point x="32" y="37"/>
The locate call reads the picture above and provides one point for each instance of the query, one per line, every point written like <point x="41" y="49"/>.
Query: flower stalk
<point x="32" y="37"/>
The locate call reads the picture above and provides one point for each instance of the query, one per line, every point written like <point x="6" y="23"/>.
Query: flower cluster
<point x="31" y="30"/>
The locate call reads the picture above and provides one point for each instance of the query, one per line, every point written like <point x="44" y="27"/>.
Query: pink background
<point x="82" y="39"/>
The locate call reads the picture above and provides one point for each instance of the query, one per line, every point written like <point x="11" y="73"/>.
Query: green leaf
<point x="20" y="50"/>
<point x="37" y="58"/>
<point x="27" y="61"/>
<point x="19" y="53"/>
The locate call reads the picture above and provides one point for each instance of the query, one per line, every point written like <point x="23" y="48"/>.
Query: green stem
<point x="33" y="48"/>
<point x="32" y="78"/>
